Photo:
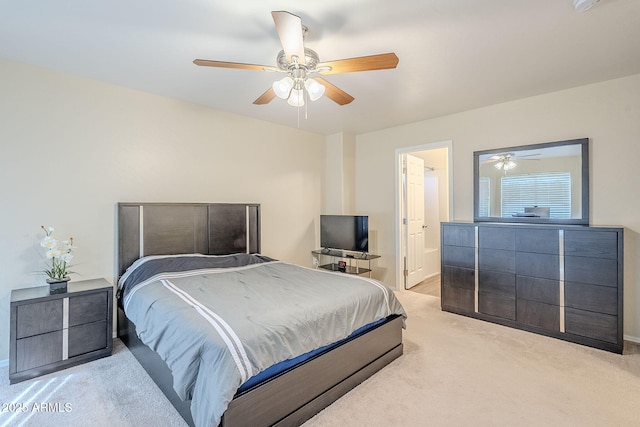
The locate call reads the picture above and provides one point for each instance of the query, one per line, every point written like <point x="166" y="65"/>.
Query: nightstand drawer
<point x="87" y="338"/>
<point x="38" y="350"/>
<point x="39" y="318"/>
<point x="88" y="308"/>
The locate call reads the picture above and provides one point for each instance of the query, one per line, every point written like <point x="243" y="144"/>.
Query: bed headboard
<point x="181" y="228"/>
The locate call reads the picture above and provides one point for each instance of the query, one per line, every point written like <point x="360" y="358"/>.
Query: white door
<point x="415" y="220"/>
<point x="432" y="223"/>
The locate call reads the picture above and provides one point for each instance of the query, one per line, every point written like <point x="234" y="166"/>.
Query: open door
<point x="414" y="220"/>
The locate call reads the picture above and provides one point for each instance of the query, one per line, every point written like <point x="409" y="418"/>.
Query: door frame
<point x="399" y="152"/>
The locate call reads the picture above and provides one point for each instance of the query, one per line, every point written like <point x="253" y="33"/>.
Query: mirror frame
<point x="584" y="220"/>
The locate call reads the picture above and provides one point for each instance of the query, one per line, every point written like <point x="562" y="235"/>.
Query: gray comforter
<point x="216" y="327"/>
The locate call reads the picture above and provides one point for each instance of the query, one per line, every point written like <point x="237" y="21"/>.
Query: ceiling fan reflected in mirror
<point x="506" y="161"/>
<point x="301" y="64"/>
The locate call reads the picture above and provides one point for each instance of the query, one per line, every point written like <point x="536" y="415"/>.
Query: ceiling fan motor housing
<point x="311" y="60"/>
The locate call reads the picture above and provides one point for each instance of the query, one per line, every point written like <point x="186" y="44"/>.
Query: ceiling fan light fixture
<point x="505" y="164"/>
<point x="283" y="87"/>
<point x="314" y="89"/>
<point x="296" y="99"/>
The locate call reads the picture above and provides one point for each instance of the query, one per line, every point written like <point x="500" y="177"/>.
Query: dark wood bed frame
<point x="289" y="398"/>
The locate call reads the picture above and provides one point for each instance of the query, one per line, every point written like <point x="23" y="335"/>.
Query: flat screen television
<point x="345" y="232"/>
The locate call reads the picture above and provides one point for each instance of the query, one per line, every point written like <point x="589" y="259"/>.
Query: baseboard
<point x="4" y="363"/>
<point x="632" y="339"/>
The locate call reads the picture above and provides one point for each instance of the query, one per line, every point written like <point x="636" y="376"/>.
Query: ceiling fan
<point x="300" y="63"/>
<point x="506" y="161"/>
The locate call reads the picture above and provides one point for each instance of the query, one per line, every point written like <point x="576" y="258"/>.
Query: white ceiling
<point x="455" y="55"/>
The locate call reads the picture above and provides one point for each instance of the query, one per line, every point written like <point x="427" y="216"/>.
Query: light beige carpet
<point x="458" y="371"/>
<point x="455" y="371"/>
<point x="111" y="392"/>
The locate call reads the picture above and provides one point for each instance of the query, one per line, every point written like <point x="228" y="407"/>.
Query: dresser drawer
<point x="593" y="271"/>
<point x="497" y="305"/>
<point x="599" y="299"/>
<point x="541" y="315"/>
<point x="459" y="235"/>
<point x="539" y="290"/>
<point x="461" y="299"/>
<point x="596" y="244"/>
<point x="497" y="283"/>
<point x="497" y="238"/>
<point x="497" y="260"/>
<point x="459" y="277"/>
<point x="39" y="318"/>
<point x="538" y="241"/>
<point x="592" y="325"/>
<point x="459" y="256"/>
<point x="544" y="266"/>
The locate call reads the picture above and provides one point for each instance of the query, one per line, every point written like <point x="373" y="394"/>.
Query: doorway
<point x="423" y="201"/>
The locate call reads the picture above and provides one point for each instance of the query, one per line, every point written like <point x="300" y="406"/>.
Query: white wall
<point x="608" y="113"/>
<point x="72" y="148"/>
<point x="339" y="174"/>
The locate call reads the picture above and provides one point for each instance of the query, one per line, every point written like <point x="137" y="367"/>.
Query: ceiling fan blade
<point x="382" y="61"/>
<point x="222" y="64"/>
<point x="289" y="29"/>
<point x="266" y="97"/>
<point x="334" y="93"/>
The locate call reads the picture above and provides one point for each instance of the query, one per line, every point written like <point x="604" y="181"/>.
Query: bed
<point x="287" y="368"/>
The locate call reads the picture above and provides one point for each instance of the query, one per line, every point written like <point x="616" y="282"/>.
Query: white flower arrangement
<point x="59" y="254"/>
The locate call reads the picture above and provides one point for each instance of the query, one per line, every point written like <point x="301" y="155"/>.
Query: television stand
<point x="343" y="261"/>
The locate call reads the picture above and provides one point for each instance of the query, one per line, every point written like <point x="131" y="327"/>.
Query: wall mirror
<point x="539" y="183"/>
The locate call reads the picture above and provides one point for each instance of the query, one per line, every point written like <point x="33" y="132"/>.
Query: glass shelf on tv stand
<point x="351" y="260"/>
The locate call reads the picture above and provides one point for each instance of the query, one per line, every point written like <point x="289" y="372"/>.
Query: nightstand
<point x="53" y="332"/>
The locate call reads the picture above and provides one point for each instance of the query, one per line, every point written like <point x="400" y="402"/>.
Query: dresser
<point x="561" y="281"/>
<point x="53" y="332"/>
